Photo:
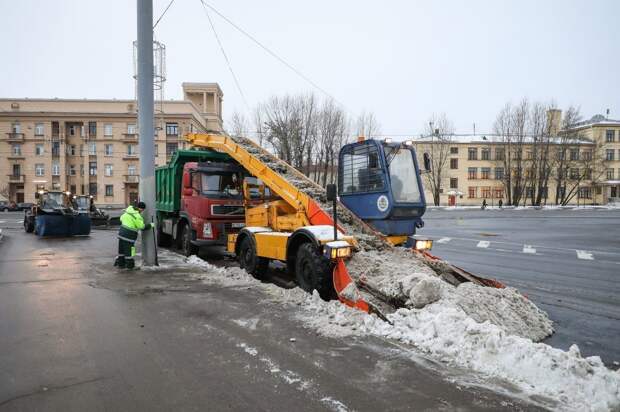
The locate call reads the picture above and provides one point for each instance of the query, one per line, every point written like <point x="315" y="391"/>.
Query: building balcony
<point x="130" y="137"/>
<point x="17" y="178"/>
<point x="132" y="178"/>
<point x="16" y="157"/>
<point x="128" y="156"/>
<point x="15" y="137"/>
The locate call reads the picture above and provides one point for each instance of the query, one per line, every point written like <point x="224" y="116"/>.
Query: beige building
<point x="91" y="146"/>
<point x="475" y="168"/>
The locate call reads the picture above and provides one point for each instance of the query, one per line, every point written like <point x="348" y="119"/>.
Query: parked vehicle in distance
<point x="24" y="206"/>
<point x="7" y="206"/>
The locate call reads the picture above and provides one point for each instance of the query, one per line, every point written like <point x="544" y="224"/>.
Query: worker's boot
<point x="120" y="261"/>
<point x="130" y="264"/>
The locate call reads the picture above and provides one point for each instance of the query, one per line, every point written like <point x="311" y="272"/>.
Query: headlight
<point x="423" y="244"/>
<point x="337" y="250"/>
<point x="207" y="231"/>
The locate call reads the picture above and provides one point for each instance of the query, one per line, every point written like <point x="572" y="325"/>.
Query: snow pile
<point x="447" y="333"/>
<point x="405" y="281"/>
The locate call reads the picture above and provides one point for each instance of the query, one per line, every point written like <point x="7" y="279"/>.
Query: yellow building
<point x="91" y="146"/>
<point x="584" y="166"/>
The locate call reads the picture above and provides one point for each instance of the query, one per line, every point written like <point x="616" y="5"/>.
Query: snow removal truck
<point x="53" y="214"/>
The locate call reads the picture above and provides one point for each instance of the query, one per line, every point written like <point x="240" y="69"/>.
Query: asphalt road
<point x="566" y="261"/>
<point x="75" y="334"/>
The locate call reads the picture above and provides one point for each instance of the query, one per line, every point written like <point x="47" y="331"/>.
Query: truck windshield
<point x="81" y="202"/>
<point x="53" y="200"/>
<point x="403" y="178"/>
<point x="225" y="185"/>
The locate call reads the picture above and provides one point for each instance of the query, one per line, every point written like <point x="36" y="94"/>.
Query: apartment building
<point x="585" y="167"/>
<point x="90" y="146"/>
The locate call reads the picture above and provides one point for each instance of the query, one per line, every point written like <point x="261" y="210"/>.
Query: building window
<point x="499" y="173"/>
<point x="39" y="129"/>
<point x="17" y="150"/>
<point x="55" y="169"/>
<point x="472" y="173"/>
<point x="71" y="150"/>
<point x="585" y="193"/>
<point x="131" y="129"/>
<point x="574" y="173"/>
<point x="472" y="153"/>
<point x="574" y="154"/>
<point x="172" y="129"/>
<point x="92" y="129"/>
<point x="17" y="170"/>
<point x="171" y="148"/>
<point x="92" y="189"/>
<point x="454" y="163"/>
<point x="107" y="129"/>
<point x="485" y="172"/>
<point x="587" y="155"/>
<point x="92" y="168"/>
<point x="72" y="170"/>
<point x="609" y="154"/>
<point x="610" y="136"/>
<point x="454" y="150"/>
<point x="73" y="189"/>
<point x="486" y="192"/>
<point x="610" y="174"/>
<point x="529" y="192"/>
<point x="108" y="169"/>
<point x="599" y="190"/>
<point x="561" y="154"/>
<point x="472" y="192"/>
<point x="131" y="149"/>
<point x="454" y="183"/>
<point x="55" y="148"/>
<point x="39" y="169"/>
<point x="587" y="174"/>
<point x="82" y="173"/>
<point x="131" y="170"/>
<point x="16" y="127"/>
<point x="92" y="149"/>
<point x="108" y="149"/>
<point x="486" y="154"/>
<point x="39" y="149"/>
<point x="499" y="154"/>
<point x="109" y="190"/>
<point x="499" y="193"/>
<point x="156" y="150"/>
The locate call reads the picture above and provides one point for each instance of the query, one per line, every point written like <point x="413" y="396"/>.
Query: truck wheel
<point x="314" y="271"/>
<point x="186" y="241"/>
<point x="163" y="239"/>
<point x="254" y="265"/>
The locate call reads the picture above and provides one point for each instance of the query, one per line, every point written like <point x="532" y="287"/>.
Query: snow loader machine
<point x="85" y="204"/>
<point x="291" y="221"/>
<point x="53" y="214"/>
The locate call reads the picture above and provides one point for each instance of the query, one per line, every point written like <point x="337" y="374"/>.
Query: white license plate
<point x="238" y="225"/>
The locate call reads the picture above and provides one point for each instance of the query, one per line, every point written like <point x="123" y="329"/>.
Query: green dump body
<point x="168" y="178"/>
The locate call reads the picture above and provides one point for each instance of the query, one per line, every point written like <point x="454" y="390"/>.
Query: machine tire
<point x="187" y="248"/>
<point x="254" y="265"/>
<point x="28" y="225"/>
<point x="314" y="271"/>
<point x="163" y="239"/>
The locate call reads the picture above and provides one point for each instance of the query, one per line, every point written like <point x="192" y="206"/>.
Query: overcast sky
<point x="402" y="60"/>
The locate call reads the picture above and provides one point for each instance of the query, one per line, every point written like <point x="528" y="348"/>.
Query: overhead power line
<point x="272" y="53"/>
<point x="232" y="72"/>
<point x="163" y="14"/>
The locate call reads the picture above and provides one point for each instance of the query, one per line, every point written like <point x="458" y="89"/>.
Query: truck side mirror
<point x="332" y="192"/>
<point x="427" y="162"/>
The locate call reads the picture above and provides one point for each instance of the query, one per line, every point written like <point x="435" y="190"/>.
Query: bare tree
<point x="332" y="127"/>
<point x="238" y="125"/>
<point x="367" y="125"/>
<point x="440" y="132"/>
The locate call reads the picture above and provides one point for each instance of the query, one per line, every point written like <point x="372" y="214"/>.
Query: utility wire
<point x="163" y="14"/>
<point x="265" y="48"/>
<point x="225" y="55"/>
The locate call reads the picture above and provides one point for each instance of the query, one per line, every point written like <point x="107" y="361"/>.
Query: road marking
<point x="444" y="240"/>
<point x="584" y="254"/>
<point x="503" y="250"/>
<point x="529" y="249"/>
<point x="483" y="244"/>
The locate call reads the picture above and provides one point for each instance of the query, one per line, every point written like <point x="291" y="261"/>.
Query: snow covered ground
<point x="447" y="333"/>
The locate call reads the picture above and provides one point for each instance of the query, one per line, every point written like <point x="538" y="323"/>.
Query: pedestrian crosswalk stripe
<point x="444" y="240"/>
<point x="483" y="244"/>
<point x="585" y="255"/>
<point x="529" y="249"/>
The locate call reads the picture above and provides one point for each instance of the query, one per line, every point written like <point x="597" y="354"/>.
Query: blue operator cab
<point x="380" y="182"/>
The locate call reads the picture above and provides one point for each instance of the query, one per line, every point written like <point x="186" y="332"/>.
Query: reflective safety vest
<point x="131" y="223"/>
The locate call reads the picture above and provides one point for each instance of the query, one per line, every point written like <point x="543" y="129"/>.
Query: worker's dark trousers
<point x="126" y="253"/>
<point x="126" y="247"/>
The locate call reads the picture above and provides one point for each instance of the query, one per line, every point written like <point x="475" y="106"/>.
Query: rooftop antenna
<point x="607" y="114"/>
